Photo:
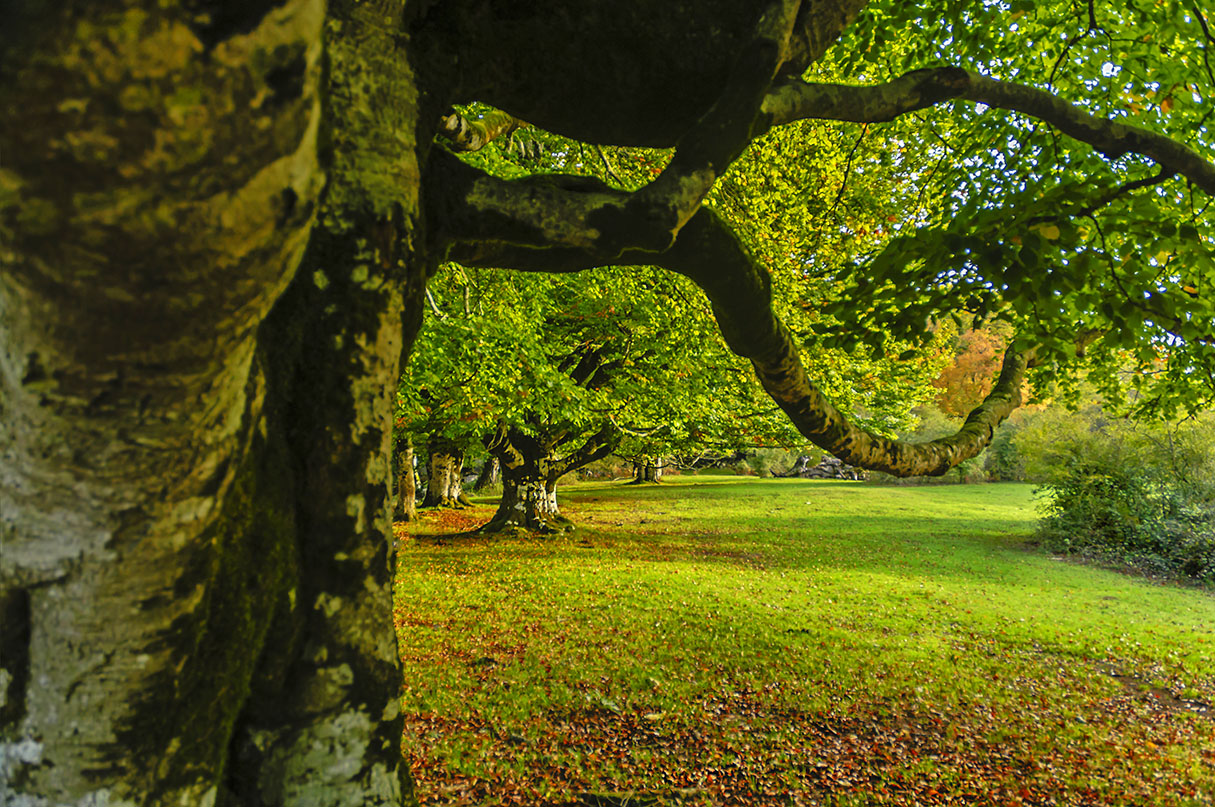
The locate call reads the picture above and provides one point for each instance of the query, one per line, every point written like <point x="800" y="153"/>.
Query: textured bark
<point x="526" y="503"/>
<point x="646" y="470"/>
<point x="194" y="493"/>
<point x="445" y="474"/>
<point x="530" y="472"/>
<point x="326" y="729"/>
<point x="657" y="67"/>
<point x="491" y="473"/>
<point x="146" y="233"/>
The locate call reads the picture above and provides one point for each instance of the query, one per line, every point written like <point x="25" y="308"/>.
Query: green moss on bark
<point x="249" y="568"/>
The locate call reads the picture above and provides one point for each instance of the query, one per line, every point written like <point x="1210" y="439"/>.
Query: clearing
<point x="737" y="641"/>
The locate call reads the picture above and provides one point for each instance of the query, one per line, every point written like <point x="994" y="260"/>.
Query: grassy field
<point x="734" y="641"/>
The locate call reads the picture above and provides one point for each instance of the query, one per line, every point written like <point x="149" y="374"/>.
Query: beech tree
<point x="216" y="224"/>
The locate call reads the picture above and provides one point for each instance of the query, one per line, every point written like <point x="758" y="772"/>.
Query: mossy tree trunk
<point x="194" y="490"/>
<point x="406" y="488"/>
<point x="445" y="474"/>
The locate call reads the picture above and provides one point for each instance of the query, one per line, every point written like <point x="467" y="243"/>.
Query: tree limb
<point x="796" y="100"/>
<point x="585" y="213"/>
<point x="709" y="254"/>
<point x="599" y="445"/>
<point x="464" y="134"/>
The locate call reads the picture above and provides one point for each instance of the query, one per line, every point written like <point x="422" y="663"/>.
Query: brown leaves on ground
<point x="744" y="747"/>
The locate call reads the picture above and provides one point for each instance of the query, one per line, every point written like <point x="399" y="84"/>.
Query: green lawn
<point x="734" y="641"/>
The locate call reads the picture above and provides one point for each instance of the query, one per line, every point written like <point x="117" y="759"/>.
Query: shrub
<point x="1134" y="494"/>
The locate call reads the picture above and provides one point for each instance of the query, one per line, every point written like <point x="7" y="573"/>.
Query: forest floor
<point x="788" y="642"/>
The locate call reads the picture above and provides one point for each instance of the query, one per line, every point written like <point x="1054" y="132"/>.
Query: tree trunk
<point x="194" y="587"/>
<point x="647" y="469"/>
<point x="445" y="474"/>
<point x="529" y="499"/>
<point x="530" y="472"/>
<point x="325" y="726"/>
<point x="491" y="473"/>
<point x="407" y="490"/>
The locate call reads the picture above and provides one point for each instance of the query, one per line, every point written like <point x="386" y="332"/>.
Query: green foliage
<point x="1135" y="494"/>
<point x="1039" y="230"/>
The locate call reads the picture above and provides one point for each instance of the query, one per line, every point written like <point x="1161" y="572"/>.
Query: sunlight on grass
<point x="789" y="641"/>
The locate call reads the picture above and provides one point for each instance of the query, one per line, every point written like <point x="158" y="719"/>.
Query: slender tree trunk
<point x="491" y="473"/>
<point x="445" y="472"/>
<point x="407" y="491"/>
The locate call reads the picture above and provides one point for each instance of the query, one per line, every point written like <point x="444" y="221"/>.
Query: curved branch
<point x="596" y="447"/>
<point x="796" y="100"/>
<point x="585" y="213"/>
<point x="464" y="134"/>
<point x="709" y="254"/>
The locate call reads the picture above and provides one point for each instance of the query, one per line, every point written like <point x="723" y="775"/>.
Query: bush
<point x="1133" y="494"/>
<point x="1003" y="462"/>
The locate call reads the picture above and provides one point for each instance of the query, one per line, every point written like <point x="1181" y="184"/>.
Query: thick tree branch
<point x="708" y="253"/>
<point x="585" y="213"/>
<point x="464" y="134"/>
<point x="599" y="445"/>
<point x="797" y="100"/>
<point x="739" y="290"/>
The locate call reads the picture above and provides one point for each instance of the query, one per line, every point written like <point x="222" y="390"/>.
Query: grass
<point x="713" y="641"/>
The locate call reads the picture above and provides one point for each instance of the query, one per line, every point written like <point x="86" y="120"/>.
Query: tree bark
<point x="529" y="500"/>
<point x="146" y="508"/>
<point x="531" y="470"/>
<point x="445" y="474"/>
<point x="407" y="490"/>
<point x="326" y="728"/>
<point x="491" y="473"/>
<point x="194" y="587"/>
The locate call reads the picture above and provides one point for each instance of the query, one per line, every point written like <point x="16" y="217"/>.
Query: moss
<point x="248" y="563"/>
